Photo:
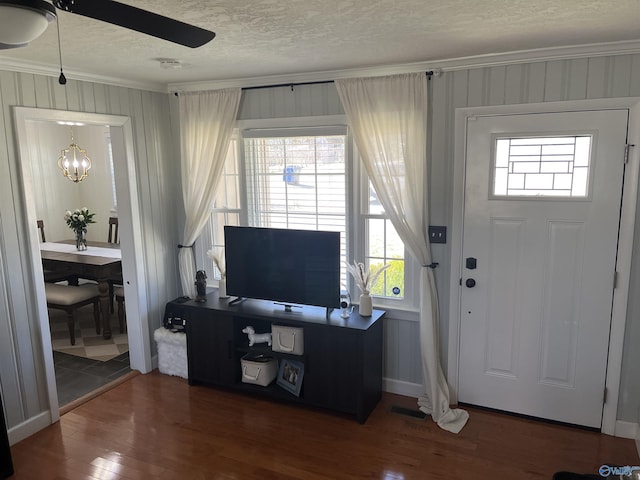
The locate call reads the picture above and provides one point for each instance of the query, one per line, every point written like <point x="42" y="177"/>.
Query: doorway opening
<point x="34" y="126"/>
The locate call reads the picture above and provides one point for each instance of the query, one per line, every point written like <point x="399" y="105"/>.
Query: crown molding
<point x="629" y="47"/>
<point x="451" y="64"/>
<point x="461" y="63"/>
<point x="36" y="68"/>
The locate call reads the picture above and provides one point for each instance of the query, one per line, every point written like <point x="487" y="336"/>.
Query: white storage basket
<point x="258" y="369"/>
<point x="172" y="352"/>
<point x="287" y="339"/>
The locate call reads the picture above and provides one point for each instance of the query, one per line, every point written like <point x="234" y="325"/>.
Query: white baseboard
<point x="627" y="430"/>
<point x="28" y="428"/>
<point x="402" y="388"/>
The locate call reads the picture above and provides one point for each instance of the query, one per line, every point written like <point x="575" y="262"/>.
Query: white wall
<point x="57" y="193"/>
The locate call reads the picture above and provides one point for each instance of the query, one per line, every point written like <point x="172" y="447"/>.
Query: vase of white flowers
<point x="365" y="280"/>
<point x="78" y="221"/>
<point x="217" y="256"/>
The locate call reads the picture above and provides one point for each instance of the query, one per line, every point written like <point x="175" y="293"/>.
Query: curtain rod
<point x="429" y="74"/>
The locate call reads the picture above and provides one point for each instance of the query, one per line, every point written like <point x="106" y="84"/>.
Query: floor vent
<point x="407" y="411"/>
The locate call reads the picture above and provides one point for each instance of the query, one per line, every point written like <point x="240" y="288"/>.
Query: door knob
<point x="470" y="283"/>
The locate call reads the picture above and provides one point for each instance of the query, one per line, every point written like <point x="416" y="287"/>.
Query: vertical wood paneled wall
<point x="156" y="149"/>
<point x="571" y="79"/>
<point x="22" y="379"/>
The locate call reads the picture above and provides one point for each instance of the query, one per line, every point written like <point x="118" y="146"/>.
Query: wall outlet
<point x="437" y="234"/>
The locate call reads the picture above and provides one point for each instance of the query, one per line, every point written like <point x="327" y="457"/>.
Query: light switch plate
<point x="437" y="234"/>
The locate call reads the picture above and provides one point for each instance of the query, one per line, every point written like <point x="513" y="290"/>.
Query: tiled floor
<point x="88" y="343"/>
<point x="77" y="376"/>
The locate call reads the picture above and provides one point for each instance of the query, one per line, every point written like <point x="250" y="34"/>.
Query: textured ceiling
<point x="261" y="38"/>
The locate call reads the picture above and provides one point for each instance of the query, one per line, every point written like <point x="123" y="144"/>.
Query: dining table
<point x="100" y="262"/>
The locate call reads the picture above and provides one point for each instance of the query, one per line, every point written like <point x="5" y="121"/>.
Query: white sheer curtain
<point x="388" y="119"/>
<point x="206" y="124"/>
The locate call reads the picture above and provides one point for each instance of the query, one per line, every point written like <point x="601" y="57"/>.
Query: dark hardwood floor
<point x="158" y="427"/>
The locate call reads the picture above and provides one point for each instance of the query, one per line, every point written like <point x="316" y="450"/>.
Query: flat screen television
<point x="282" y="265"/>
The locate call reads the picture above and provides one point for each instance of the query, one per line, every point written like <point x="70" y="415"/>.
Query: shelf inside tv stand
<point x="342" y="357"/>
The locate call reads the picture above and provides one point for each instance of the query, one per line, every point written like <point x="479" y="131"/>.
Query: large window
<point x="297" y="180"/>
<point x="304" y="178"/>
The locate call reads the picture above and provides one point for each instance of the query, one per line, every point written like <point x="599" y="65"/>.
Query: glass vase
<point x="81" y="240"/>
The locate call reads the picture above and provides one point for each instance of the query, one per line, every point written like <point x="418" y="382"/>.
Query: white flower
<point x="78" y="219"/>
<point x="363" y="278"/>
<point x="218" y="261"/>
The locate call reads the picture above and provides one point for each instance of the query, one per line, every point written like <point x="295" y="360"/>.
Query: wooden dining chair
<point x="54" y="276"/>
<point x="119" y="296"/>
<point x="113" y="236"/>
<point x="70" y="299"/>
<point x="40" y="223"/>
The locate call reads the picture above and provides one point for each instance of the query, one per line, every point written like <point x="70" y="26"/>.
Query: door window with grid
<point x="551" y="166"/>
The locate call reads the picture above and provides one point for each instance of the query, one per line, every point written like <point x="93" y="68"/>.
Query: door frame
<point x="130" y="238"/>
<point x="625" y="246"/>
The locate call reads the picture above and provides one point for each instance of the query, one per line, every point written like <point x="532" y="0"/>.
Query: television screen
<point x="287" y="266"/>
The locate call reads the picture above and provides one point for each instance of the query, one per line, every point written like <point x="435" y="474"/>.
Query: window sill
<point x="399" y="313"/>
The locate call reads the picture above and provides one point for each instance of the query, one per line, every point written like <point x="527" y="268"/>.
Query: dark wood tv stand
<point x="342" y="357"/>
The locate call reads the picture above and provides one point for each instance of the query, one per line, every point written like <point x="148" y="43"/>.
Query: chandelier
<point x="74" y="162"/>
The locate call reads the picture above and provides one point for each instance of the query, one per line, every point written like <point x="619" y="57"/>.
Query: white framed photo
<point x="290" y="376"/>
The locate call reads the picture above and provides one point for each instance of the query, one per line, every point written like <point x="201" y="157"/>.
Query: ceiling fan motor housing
<point x="23" y="21"/>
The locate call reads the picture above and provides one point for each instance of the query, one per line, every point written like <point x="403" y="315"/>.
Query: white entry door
<point x="541" y="215"/>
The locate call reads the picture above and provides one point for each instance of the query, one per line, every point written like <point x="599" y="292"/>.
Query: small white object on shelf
<point x="256" y="337"/>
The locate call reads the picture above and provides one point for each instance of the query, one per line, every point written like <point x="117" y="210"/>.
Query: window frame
<point x="410" y="299"/>
<point x="356" y="207"/>
<point x="206" y="239"/>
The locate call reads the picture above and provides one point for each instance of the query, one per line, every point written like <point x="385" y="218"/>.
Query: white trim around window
<point x="356" y="207"/>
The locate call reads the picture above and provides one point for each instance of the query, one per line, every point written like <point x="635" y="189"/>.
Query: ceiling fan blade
<point x="139" y="20"/>
<point x="5" y="46"/>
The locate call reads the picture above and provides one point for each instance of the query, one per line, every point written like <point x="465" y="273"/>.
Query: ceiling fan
<point x="22" y="21"/>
